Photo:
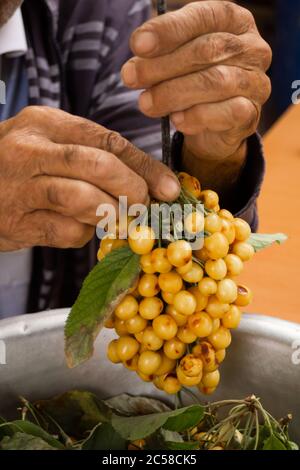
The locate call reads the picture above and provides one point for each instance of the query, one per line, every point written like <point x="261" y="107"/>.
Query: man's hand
<point x="55" y="170"/>
<point x="205" y="66"/>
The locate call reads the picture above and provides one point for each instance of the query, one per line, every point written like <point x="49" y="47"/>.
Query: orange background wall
<point x="274" y="274"/>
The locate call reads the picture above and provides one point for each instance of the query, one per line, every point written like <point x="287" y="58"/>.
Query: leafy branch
<point x="87" y="423"/>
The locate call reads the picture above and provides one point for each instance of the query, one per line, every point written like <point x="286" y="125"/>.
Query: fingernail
<point x="169" y="188"/>
<point x="129" y="74"/>
<point x="146" y="101"/>
<point x="177" y="118"/>
<point x="144" y="42"/>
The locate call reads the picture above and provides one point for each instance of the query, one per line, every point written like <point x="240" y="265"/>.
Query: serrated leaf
<point x="139" y="427"/>
<point x="273" y="443"/>
<point x="76" y="412"/>
<point x="101" y="292"/>
<point x="128" y="405"/>
<point x="191" y="416"/>
<point x="174" y="441"/>
<point x="20" y="441"/>
<point x="260" y="241"/>
<point x="30" y="429"/>
<point x="104" y="437"/>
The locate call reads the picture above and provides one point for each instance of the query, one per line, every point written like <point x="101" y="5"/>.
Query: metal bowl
<point x="261" y="360"/>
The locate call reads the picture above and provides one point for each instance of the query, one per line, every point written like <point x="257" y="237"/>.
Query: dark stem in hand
<point x="165" y="122"/>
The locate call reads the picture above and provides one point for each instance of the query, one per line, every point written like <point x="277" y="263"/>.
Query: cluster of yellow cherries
<point x="174" y="325"/>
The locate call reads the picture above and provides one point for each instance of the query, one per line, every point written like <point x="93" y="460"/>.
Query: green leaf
<point x="5" y="430"/>
<point x="191" y="445"/>
<point x="292" y="445"/>
<point x="102" y="290"/>
<point x="226" y="432"/>
<point x="20" y="441"/>
<point x="75" y="412"/>
<point x="139" y="427"/>
<point x="104" y="437"/>
<point x="191" y="416"/>
<point x="26" y="427"/>
<point x="273" y="443"/>
<point x="170" y="436"/>
<point x="264" y="434"/>
<point x="159" y="440"/>
<point x="260" y="241"/>
<point x="128" y="405"/>
<point x="169" y="440"/>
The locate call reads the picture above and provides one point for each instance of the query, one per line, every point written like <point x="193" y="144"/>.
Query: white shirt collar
<point x="12" y="36"/>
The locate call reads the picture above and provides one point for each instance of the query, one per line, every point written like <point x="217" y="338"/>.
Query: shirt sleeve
<point x="113" y="105"/>
<point x="250" y="183"/>
<point x="248" y="188"/>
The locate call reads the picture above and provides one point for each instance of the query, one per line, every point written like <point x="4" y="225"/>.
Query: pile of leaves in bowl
<point x="79" y="420"/>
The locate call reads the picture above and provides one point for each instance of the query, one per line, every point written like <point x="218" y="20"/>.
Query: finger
<point x="5" y="127"/>
<point x="236" y="115"/>
<point x="132" y="177"/>
<point x="246" y="51"/>
<point x="218" y="83"/>
<point x="54" y="230"/>
<point x="164" y="34"/>
<point x="68" y="197"/>
<point x="66" y="129"/>
<point x="215" y="145"/>
<point x="97" y="167"/>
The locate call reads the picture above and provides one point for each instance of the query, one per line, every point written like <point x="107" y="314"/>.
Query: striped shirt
<point x="76" y="49"/>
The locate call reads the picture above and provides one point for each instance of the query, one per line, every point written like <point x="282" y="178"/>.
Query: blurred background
<point x="274" y="273"/>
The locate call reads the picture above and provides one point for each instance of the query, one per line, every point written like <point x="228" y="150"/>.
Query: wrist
<point x="218" y="174"/>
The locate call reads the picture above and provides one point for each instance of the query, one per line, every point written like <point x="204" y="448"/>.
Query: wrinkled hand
<point x="55" y="170"/>
<point x="205" y="65"/>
